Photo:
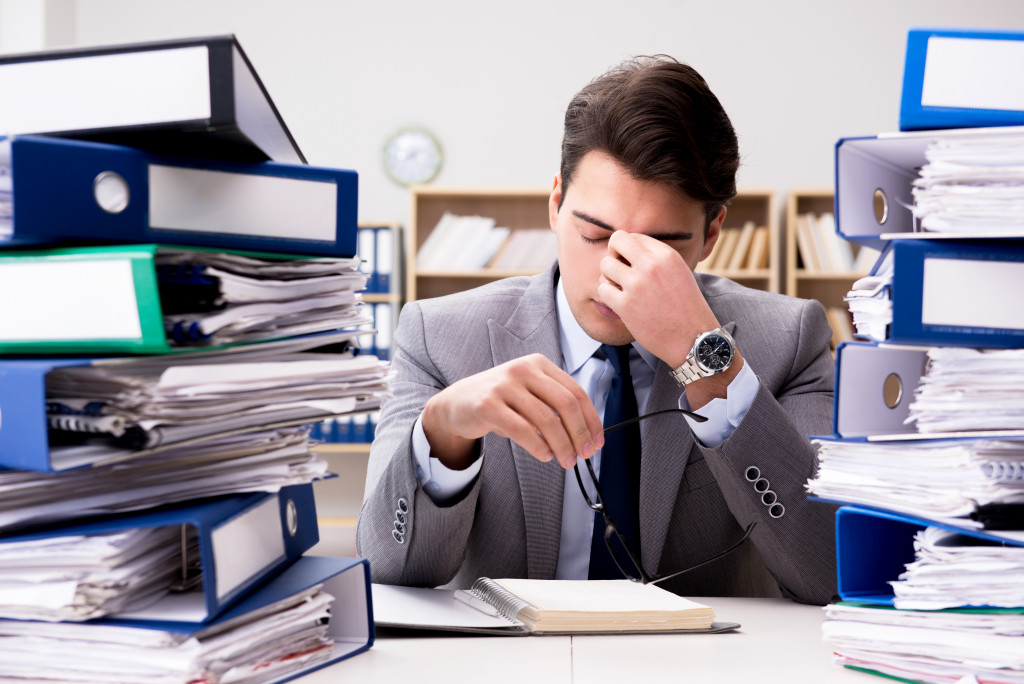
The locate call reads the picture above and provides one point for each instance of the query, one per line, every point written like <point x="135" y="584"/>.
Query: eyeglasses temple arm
<point x="746" y="535"/>
<point x="689" y="414"/>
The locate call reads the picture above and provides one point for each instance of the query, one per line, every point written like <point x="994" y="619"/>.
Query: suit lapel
<point x="534" y="328"/>
<point x="667" y="443"/>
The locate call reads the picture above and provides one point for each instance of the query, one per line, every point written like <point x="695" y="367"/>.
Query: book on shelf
<point x="741" y="251"/>
<point x="820" y="248"/>
<point x="865" y="259"/>
<point x="722" y="253"/>
<point x="380" y="250"/>
<point x="759" y="249"/>
<point x="527" y="249"/>
<point x="806" y="245"/>
<point x="523" y="606"/>
<point x="839" y="321"/>
<point x="461" y="243"/>
<point x="838" y="252"/>
<point x="481" y="248"/>
<point x="193" y="97"/>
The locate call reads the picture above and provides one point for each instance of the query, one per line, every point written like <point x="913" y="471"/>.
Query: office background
<point x="491" y="81"/>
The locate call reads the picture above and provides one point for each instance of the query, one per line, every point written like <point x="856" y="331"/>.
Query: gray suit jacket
<point x="694" y="501"/>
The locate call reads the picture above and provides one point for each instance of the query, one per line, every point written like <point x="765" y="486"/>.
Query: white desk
<point x="779" y="642"/>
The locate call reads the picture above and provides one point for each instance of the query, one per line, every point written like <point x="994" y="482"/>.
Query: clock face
<point x="714" y="352"/>
<point x="412" y="156"/>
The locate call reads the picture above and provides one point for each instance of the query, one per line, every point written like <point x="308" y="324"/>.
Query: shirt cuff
<point x="724" y="415"/>
<point x="439" y="482"/>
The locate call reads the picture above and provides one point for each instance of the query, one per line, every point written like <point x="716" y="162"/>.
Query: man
<point x="500" y="391"/>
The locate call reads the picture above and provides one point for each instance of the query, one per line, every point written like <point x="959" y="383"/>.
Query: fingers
<point x="529" y="400"/>
<point x="558" y="418"/>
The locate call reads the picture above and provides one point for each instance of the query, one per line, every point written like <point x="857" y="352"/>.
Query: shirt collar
<point x="578" y="346"/>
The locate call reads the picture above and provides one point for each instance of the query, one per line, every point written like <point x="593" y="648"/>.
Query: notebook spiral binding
<point x="504" y="601"/>
<point x="1003" y="470"/>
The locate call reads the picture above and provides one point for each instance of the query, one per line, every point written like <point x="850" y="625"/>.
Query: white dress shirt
<point x="594" y="375"/>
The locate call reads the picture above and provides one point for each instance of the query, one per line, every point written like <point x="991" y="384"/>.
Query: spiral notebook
<point x="521" y="606"/>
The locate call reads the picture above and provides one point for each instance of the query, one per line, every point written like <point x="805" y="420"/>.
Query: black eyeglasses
<point x="630" y="566"/>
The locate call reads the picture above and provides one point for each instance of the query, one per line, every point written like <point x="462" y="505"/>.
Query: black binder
<point x="193" y="97"/>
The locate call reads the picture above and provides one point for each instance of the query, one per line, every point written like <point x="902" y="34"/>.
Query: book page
<point x="591" y="596"/>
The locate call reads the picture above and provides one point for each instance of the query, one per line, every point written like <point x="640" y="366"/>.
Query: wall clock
<point x="412" y="156"/>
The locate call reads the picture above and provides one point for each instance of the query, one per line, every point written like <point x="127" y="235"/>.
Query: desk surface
<point x="779" y="642"/>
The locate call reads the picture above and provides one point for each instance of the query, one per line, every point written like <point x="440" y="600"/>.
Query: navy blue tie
<point x="620" y="471"/>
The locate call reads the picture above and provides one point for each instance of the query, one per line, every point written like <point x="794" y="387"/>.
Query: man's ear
<point x="714" y="231"/>
<point x="554" y="200"/>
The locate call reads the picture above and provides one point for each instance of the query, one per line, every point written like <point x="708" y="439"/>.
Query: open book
<point x="521" y="606"/>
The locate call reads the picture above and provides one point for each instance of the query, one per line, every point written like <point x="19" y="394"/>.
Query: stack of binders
<point x="928" y="446"/>
<point x="181" y="301"/>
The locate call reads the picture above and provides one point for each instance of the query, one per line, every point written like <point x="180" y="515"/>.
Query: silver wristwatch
<point x="711" y="354"/>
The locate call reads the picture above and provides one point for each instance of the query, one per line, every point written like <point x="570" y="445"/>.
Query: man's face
<point x="603" y="198"/>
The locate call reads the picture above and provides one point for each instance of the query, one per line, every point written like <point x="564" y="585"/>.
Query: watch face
<point x="714" y="352"/>
<point x="412" y="156"/>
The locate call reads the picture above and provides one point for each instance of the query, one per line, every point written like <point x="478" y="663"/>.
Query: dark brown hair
<point x="659" y="119"/>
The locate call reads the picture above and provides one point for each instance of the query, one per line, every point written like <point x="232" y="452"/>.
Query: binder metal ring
<point x="291" y="517"/>
<point x="111" y="192"/>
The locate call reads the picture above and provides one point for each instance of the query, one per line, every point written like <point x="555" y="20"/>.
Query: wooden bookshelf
<point x="756" y="206"/>
<point x="514" y="208"/>
<point x="338" y="499"/>
<point x="827" y="286"/>
<point x="396" y="294"/>
<point x="525" y="208"/>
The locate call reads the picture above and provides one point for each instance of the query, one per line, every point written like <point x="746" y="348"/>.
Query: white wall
<point x="492" y="80"/>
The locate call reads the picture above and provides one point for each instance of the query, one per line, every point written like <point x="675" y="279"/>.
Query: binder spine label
<point x="958" y="73"/>
<point x="63" y="300"/>
<point x="946" y="281"/>
<point x="247" y="545"/>
<point x="80" y="93"/>
<point x="203" y="201"/>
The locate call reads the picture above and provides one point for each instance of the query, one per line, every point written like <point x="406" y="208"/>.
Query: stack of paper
<point x="937" y="646"/>
<point x="254" y="298"/>
<point x="928" y="453"/>
<point x="80" y="577"/>
<point x="282" y="628"/>
<point x="252" y="461"/>
<point x="870" y="301"/>
<point x="953" y="570"/>
<point x="155" y="500"/>
<point x="972" y="186"/>
<point x="163" y="400"/>
<point x="970" y="389"/>
<point x="936" y="479"/>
